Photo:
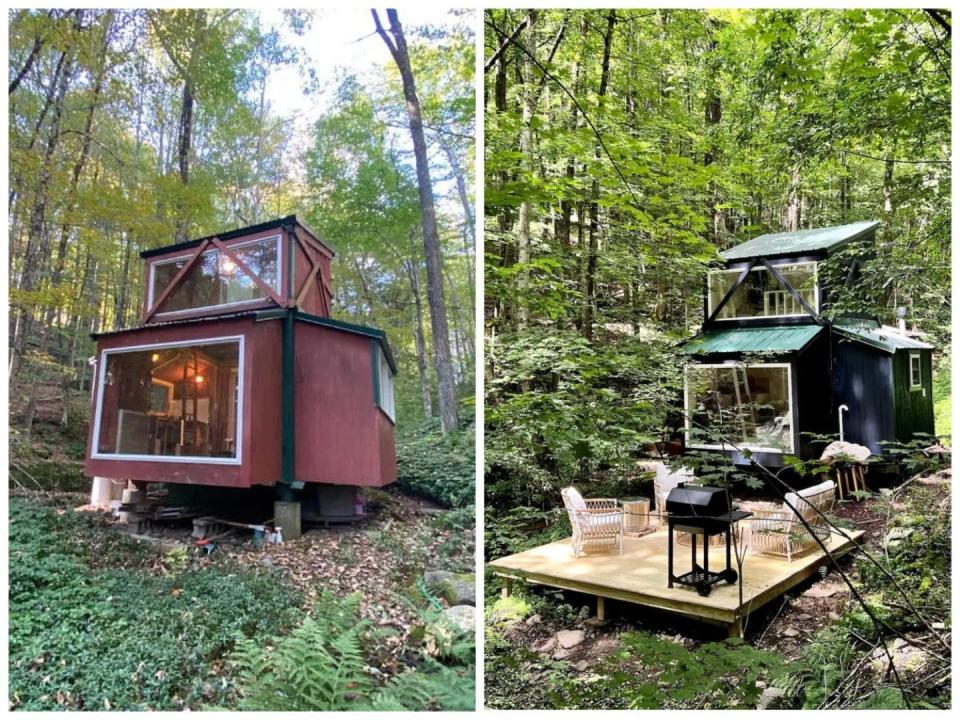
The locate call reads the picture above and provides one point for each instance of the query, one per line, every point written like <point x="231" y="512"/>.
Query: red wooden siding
<point x="265" y="408"/>
<point x="339" y="439"/>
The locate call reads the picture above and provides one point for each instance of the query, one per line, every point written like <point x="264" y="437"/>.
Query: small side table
<point x="636" y="516"/>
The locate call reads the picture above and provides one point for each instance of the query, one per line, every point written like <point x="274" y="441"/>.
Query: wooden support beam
<point x="201" y="248"/>
<point x="601" y="608"/>
<point x="269" y="291"/>
<point x="733" y="288"/>
<point x="507" y="589"/>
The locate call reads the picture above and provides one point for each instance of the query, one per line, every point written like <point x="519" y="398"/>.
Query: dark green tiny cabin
<point x="768" y="368"/>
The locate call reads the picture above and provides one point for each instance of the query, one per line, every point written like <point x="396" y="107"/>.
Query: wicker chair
<point x="596" y="523"/>
<point x="775" y="529"/>
<point x="663" y="482"/>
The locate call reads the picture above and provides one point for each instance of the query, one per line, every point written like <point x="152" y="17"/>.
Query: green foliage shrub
<point x="91" y="628"/>
<point x="440" y="467"/>
<point x="562" y="410"/>
<point x="322" y="665"/>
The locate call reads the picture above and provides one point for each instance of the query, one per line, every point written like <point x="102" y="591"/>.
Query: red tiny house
<point x="238" y="377"/>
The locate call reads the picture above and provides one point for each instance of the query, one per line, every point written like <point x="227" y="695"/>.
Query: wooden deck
<point x="639" y="576"/>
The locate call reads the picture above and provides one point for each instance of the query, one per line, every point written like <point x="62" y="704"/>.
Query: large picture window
<point x="215" y="279"/>
<point x="749" y="405"/>
<point x="761" y="295"/>
<point x="175" y="402"/>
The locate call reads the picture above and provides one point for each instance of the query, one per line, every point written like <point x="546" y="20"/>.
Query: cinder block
<point x="286" y="515"/>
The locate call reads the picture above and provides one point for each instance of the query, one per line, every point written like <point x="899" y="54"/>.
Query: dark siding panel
<point x="813" y="394"/>
<point x="913" y="408"/>
<point x="863" y="381"/>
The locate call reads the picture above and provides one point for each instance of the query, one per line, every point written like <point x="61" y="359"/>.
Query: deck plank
<point x="639" y="575"/>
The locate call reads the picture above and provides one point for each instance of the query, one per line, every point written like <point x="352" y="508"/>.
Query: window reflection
<point x="175" y="401"/>
<point x="216" y="279"/>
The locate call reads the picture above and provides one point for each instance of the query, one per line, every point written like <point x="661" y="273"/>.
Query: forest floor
<point x="544" y="650"/>
<point x="101" y="620"/>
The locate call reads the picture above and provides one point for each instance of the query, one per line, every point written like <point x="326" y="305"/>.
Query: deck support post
<point x="507" y="588"/>
<point x="734" y="630"/>
<point x="601" y="608"/>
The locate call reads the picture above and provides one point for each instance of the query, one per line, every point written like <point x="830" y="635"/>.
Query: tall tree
<point x="431" y="239"/>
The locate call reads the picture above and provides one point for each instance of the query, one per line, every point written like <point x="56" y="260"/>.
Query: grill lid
<point x="697" y="500"/>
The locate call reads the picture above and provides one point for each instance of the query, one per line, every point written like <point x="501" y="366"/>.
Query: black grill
<point x="705" y="512"/>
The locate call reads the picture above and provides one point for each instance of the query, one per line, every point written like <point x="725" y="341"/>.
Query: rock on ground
<point x="570" y="638"/>
<point x="455" y="588"/>
<point x="908" y="660"/>
<point x="463" y="617"/>
<point x="771" y="698"/>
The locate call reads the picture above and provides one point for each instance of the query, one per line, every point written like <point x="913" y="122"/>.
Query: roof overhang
<point x="239" y="233"/>
<point x="777" y="340"/>
<point x="800" y="242"/>
<point x="885" y="339"/>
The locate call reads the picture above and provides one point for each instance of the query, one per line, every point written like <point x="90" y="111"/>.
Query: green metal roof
<point x="800" y="241"/>
<point x="779" y="339"/>
<point x="886" y="339"/>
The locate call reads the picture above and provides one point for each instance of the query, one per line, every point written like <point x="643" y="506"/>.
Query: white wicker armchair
<point x="777" y="530"/>
<point x="596" y="523"/>
<point x="663" y="482"/>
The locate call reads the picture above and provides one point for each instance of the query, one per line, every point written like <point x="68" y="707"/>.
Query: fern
<point x="322" y="666"/>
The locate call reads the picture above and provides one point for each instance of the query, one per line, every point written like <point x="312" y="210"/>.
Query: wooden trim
<point x="176" y="279"/>
<point x="311" y="276"/>
<point x="243" y="266"/>
<point x="315" y="243"/>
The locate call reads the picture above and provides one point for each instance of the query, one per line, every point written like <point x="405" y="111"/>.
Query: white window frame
<point x="190" y="459"/>
<point x="761" y="268"/>
<point x="388" y="408"/>
<point x="151" y="286"/>
<point x="736" y="366"/>
<point x="916" y="383"/>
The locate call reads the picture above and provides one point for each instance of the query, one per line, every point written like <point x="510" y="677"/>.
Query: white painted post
<point x="840" y="411"/>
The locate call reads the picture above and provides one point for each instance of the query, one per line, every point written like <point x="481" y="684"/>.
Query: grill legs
<point x="699" y="577"/>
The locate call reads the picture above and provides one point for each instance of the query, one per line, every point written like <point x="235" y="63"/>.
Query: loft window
<point x="215" y="280"/>
<point x="751" y="406"/>
<point x="174" y="402"/>
<point x="760" y="295"/>
<point x="384" y="386"/>
<point x="916" y="372"/>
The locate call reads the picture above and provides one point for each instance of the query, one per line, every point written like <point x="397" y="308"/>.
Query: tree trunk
<point x="712" y="113"/>
<point x="792" y="220"/>
<point x="37" y="240"/>
<point x="431" y="238"/>
<point x="461" y="181"/>
<point x="61" y="256"/>
<point x="413" y="276"/>
<point x="566" y="207"/>
<point x="590" y="270"/>
<point x="526" y="150"/>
